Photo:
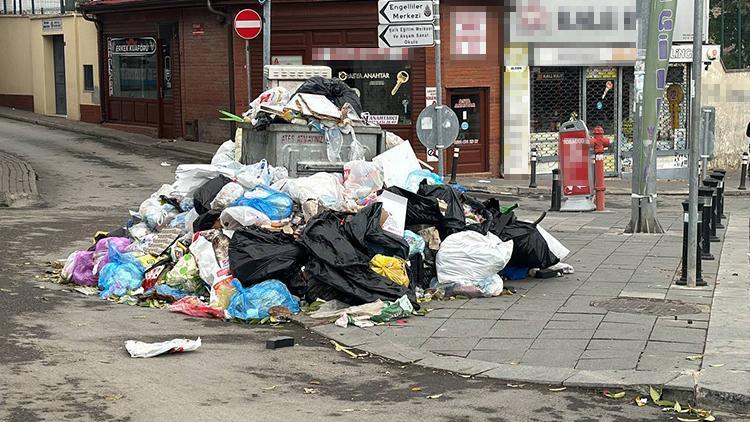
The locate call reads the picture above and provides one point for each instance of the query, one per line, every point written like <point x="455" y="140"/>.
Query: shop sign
<point x="383" y="119"/>
<point x="514" y="69"/>
<point x="465" y="103"/>
<point x="430" y="95"/>
<point x="143" y="46"/>
<point x="49" y="25"/>
<point x="683" y="53"/>
<point x="358" y="75"/>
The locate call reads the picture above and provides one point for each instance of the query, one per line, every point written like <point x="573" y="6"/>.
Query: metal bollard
<point x="713" y="183"/>
<point x="454" y="168"/>
<point x="705" y="194"/>
<point x="532" y="182"/>
<point x="698" y="267"/>
<point x="556" y="192"/>
<point x="743" y="172"/>
<point x="723" y="177"/>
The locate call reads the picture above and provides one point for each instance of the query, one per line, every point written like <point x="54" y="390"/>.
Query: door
<point x="602" y="108"/>
<point x="470" y="105"/>
<point x="58" y="61"/>
<point x="167" y="37"/>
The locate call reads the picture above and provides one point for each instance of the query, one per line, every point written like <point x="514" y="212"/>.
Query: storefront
<point x="167" y="67"/>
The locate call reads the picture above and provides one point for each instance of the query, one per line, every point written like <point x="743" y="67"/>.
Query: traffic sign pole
<point x="248" y="25"/>
<point x="247" y="73"/>
<point x="266" y="40"/>
<point x="439" y="83"/>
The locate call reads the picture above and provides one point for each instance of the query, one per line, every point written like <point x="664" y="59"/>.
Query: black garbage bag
<point x="336" y="90"/>
<point x="207" y="192"/>
<point x="339" y="258"/>
<point x="422" y="269"/>
<point x="256" y="255"/>
<point x="423" y="208"/>
<point x="206" y="221"/>
<point x="530" y="249"/>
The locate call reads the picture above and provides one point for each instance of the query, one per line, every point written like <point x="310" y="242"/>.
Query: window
<point x="730" y="28"/>
<point x="133" y="67"/>
<point x="377" y="82"/>
<point x="88" y="77"/>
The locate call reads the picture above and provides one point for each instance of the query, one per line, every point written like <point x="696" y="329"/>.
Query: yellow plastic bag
<point x="392" y="268"/>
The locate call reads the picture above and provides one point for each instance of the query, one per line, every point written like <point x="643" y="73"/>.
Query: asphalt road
<point x="62" y="354"/>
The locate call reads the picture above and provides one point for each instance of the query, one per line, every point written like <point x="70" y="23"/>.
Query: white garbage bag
<point x="228" y="194"/>
<point x="235" y="218"/>
<point x="224" y="155"/>
<point x="468" y="262"/>
<point x="557" y="248"/>
<point x="325" y="188"/>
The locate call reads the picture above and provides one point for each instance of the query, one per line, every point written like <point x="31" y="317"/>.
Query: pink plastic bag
<point x="193" y="306"/>
<point x="101" y="254"/>
<point x="79" y="268"/>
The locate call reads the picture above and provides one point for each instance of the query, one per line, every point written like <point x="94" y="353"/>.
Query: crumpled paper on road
<point x="139" y="349"/>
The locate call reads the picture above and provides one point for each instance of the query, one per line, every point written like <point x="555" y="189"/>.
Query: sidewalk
<point x="618" y="322"/>
<point x="199" y="150"/>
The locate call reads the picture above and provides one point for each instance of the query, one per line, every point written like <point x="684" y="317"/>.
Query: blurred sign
<point x="51" y="25"/>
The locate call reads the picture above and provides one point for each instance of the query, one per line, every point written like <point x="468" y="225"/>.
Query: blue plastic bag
<point x="416" y="177"/>
<point x="123" y="272"/>
<point x="276" y="205"/>
<point x="254" y="302"/>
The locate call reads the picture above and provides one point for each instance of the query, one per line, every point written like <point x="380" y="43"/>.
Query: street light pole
<point x="440" y="147"/>
<point x="266" y="40"/>
<point x="695" y="132"/>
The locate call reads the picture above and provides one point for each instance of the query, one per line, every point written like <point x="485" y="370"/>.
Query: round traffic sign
<point x="248" y="24"/>
<point x="427" y="125"/>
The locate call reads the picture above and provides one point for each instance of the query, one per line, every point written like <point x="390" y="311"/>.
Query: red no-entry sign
<point x="248" y="24"/>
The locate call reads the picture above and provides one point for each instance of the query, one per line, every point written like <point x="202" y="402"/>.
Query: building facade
<point x="170" y="65"/>
<point x="50" y="65"/>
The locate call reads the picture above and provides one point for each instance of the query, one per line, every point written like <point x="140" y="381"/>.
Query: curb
<point x="536" y="192"/>
<point x="131" y="139"/>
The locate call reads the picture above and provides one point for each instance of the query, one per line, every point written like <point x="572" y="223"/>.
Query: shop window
<point x="133" y="67"/>
<point x="377" y="83"/>
<point x="88" y="77"/>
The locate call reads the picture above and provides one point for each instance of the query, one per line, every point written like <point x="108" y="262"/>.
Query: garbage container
<point x="575" y="165"/>
<point x="288" y="145"/>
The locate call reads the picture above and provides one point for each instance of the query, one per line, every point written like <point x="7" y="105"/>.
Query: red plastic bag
<point x="193" y="306"/>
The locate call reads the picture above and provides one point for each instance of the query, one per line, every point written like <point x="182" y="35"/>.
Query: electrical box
<point x="708" y="129"/>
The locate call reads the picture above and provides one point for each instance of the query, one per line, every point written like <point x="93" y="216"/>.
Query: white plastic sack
<point x="468" y="262"/>
<point x="255" y="174"/>
<point x="235" y="218"/>
<point x="362" y="178"/>
<point x="392" y="140"/>
<point x="139" y="349"/>
<point x="189" y="177"/>
<point x="325" y="188"/>
<point x="155" y="214"/>
<point x="228" y="194"/>
<point x="557" y="248"/>
<point x="224" y="155"/>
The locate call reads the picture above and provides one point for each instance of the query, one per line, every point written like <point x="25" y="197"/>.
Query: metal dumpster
<point x="288" y="145"/>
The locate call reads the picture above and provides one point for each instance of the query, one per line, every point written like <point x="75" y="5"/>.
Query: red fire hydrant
<point x="600" y="143"/>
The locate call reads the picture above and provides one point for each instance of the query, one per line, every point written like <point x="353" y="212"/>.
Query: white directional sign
<point x="405" y="11"/>
<point x="418" y="35"/>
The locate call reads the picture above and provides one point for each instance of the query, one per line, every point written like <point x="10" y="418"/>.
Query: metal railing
<point x="37" y="7"/>
<point x="730" y="27"/>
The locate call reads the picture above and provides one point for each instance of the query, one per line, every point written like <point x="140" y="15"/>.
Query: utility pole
<point x="266" y="39"/>
<point x="695" y="142"/>
<point x="655" y="20"/>
<point x="440" y="147"/>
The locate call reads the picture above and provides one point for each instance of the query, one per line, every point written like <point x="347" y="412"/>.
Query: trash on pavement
<point x="392" y="267"/>
<point x="401" y="308"/>
<point x="279" y="342"/>
<point x="468" y="264"/>
<point x="193" y="306"/>
<point x="139" y="349"/>
<point x="256" y="301"/>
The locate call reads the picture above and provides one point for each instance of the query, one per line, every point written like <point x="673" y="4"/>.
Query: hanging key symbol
<point x="401" y="78"/>
<point x="674" y="111"/>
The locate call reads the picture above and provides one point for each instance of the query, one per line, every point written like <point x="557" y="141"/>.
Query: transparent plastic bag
<point x="323" y="187"/>
<point x="362" y="178"/>
<point x="256" y="301"/>
<point x="235" y="218"/>
<point x="101" y="251"/>
<point x="224" y="154"/>
<point x="228" y="194"/>
<point x="334" y="142"/>
<point x="256" y="174"/>
<point x="356" y="149"/>
<point x="124" y="272"/>
<point x="415" y="241"/>
<point x="415" y="179"/>
<point x="274" y="204"/>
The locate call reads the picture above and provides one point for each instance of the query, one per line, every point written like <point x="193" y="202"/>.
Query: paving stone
<point x="600" y="288"/>
<point x="450" y="343"/>
<point x="455" y="303"/>
<point x="614" y="345"/>
<point x="567" y="334"/>
<point x="586" y="319"/>
<point x="504" y="344"/>
<point x="607" y="363"/>
<point x="610" y="274"/>
<point x="493" y="314"/>
<point x="395" y="351"/>
<point x="572" y="325"/>
<point x="655" y="348"/>
<point x="464" y="328"/>
<point x="516" y="329"/>
<point x="681" y="322"/>
<point x="619" y="331"/>
<point x="669" y="363"/>
<point x="456" y="353"/>
<point x="559" y="345"/>
<point x="538" y="304"/>
<point x="627" y="354"/>
<point x="679" y="335"/>
<point x="619" y="379"/>
<point x="648" y="293"/>
<point x="527" y="315"/>
<point x="499" y="303"/>
<point x="440" y="312"/>
<point x="530" y="374"/>
<point x="498" y="356"/>
<point x="457" y="365"/>
<point x="553" y="358"/>
<point x="630" y="318"/>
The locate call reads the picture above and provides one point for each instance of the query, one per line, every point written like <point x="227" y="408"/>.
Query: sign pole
<point x="266" y="40"/>
<point x="439" y="97"/>
<point x="247" y="72"/>
<point x="694" y="139"/>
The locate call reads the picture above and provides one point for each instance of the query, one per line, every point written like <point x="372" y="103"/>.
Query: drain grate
<point x="659" y="307"/>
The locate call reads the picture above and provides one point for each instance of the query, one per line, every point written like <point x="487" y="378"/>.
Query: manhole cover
<point x="659" y="307"/>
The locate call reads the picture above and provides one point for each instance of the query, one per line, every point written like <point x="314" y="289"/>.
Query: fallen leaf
<point x="310" y="391"/>
<point x="435" y="396"/>
<point x="558" y="389"/>
<point x="113" y="397"/>
<point x="677" y="407"/>
<point x="655" y="395"/>
<point x="687" y="420"/>
<point x="709" y="418"/>
<point x="716" y="365"/>
<point x="619" y="395"/>
<point x="416" y="389"/>
<point x="340" y="348"/>
<point x="273" y="387"/>
<point x="669" y="404"/>
<point x="315" y="382"/>
<point x="640" y="401"/>
<point x="694" y="357"/>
